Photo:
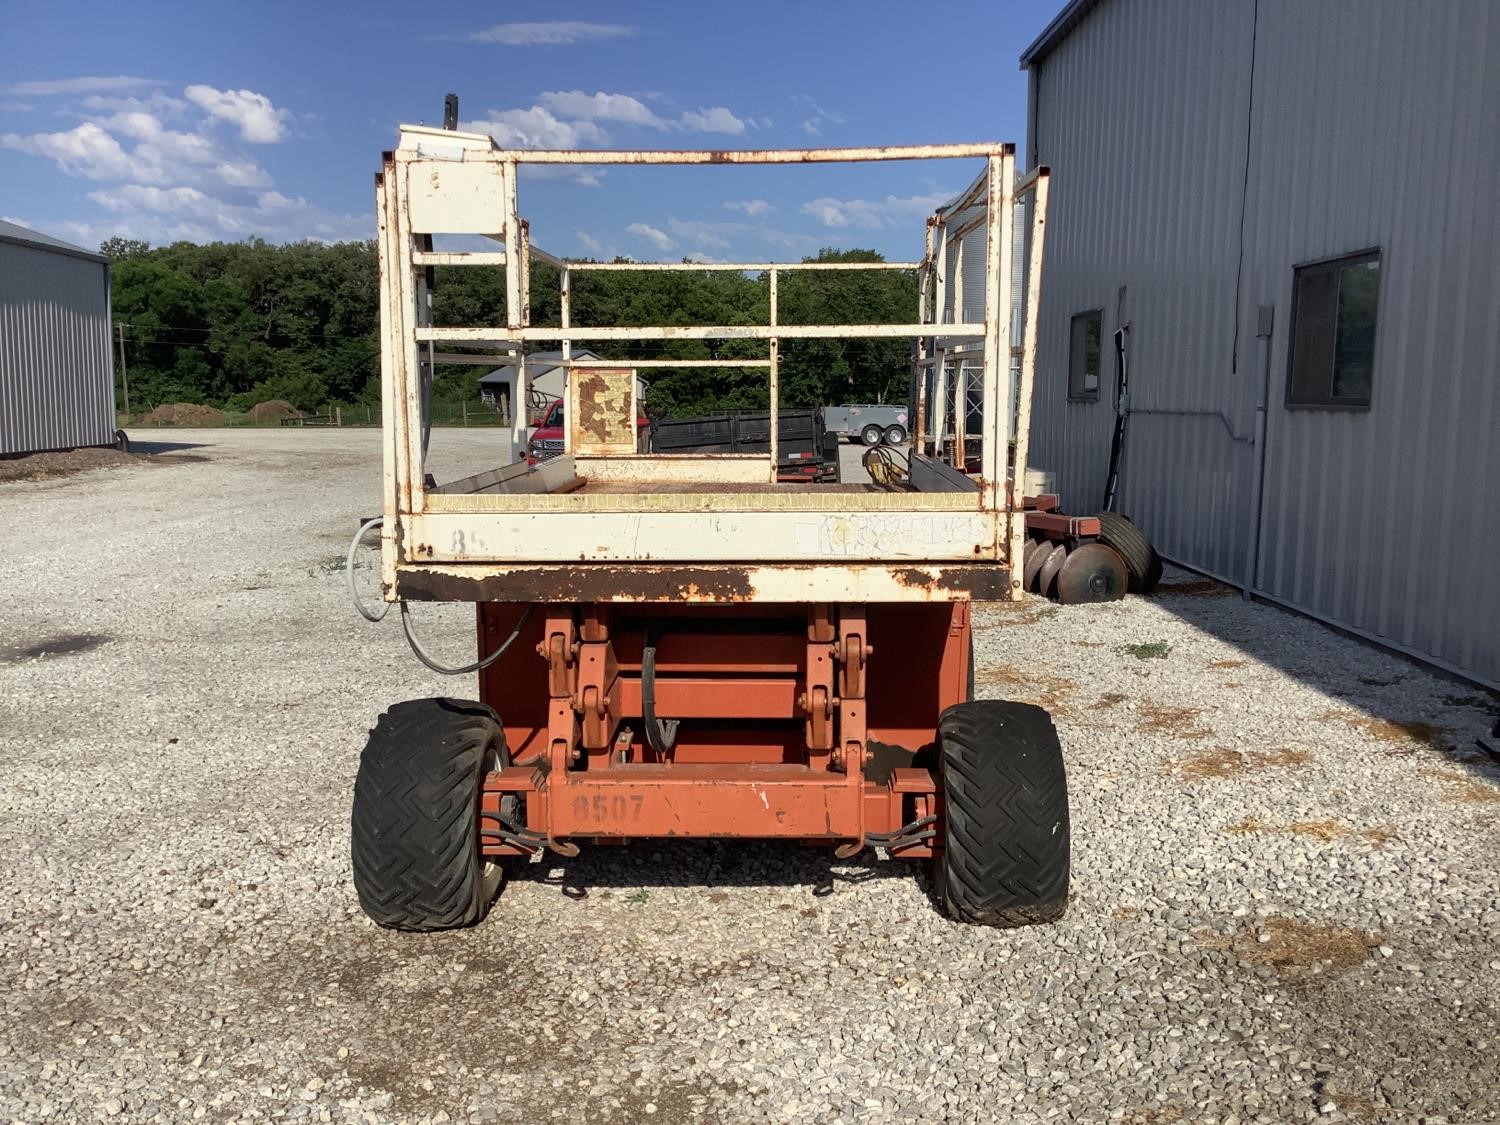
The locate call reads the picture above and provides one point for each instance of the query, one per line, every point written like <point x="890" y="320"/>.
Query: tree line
<point x="230" y="325"/>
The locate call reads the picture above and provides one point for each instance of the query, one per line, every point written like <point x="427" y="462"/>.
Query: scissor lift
<point x="680" y="645"/>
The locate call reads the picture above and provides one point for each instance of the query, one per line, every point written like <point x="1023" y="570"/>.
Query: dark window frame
<point x="1077" y="392"/>
<point x="1295" y="399"/>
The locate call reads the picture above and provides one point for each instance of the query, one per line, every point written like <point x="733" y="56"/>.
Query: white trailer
<point x="869" y="423"/>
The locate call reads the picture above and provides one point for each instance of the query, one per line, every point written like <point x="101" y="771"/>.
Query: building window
<point x="1087" y="334"/>
<point x="1333" y="331"/>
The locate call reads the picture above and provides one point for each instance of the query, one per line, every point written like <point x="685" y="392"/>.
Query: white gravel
<point x="1284" y="906"/>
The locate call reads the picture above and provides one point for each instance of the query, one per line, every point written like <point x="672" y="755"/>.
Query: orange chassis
<point x="792" y="726"/>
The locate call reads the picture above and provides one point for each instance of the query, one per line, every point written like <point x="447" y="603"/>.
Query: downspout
<point x="1264" y="323"/>
<point x="1033" y="97"/>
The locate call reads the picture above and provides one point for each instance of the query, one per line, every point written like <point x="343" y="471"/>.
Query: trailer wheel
<point x="894" y="435"/>
<point x="1006" y="845"/>
<point x="414" y="832"/>
<point x="1141" y="560"/>
<point x="871" y="434"/>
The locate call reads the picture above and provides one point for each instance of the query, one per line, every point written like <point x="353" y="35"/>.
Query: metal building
<point x="1293" y="205"/>
<point x="57" y="387"/>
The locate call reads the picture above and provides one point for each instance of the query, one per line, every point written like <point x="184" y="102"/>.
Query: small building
<point x="546" y="379"/>
<point x="57" y="384"/>
<point x="1286" y="210"/>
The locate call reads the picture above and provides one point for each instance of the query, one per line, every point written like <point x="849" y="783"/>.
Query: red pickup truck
<point x="546" y="441"/>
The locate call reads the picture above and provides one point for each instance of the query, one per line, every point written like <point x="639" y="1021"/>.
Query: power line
<point x="208" y="331"/>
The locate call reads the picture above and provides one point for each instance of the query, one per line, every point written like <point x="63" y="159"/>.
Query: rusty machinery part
<point x="414" y="839"/>
<point x="1006" y="849"/>
<point x="889" y="469"/>
<point x="1048" y="574"/>
<point x="1092" y="572"/>
<point x="1032" y="546"/>
<point x="1141" y="560"/>
<point x="1034" y="563"/>
<point x="661" y="734"/>
<point x="476" y="666"/>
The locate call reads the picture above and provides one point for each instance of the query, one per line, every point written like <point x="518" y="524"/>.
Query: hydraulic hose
<point x="661" y="735"/>
<point x="364" y="611"/>
<point x="416" y="646"/>
<point x="478" y="665"/>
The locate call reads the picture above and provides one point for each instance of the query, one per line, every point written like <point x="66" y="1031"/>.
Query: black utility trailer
<point x="804" y="450"/>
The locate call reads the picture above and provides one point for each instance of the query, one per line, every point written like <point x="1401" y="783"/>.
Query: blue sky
<point x="213" y="120"/>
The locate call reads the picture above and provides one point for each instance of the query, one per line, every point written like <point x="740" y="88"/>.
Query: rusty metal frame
<point x="439" y="182"/>
<point x="587" y="773"/>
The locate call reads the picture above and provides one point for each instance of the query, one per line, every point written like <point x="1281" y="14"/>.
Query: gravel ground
<point x="1285" y="894"/>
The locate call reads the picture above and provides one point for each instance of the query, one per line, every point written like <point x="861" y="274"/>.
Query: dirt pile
<point x="182" y="414"/>
<point x="44" y="466"/>
<point x="273" y="410"/>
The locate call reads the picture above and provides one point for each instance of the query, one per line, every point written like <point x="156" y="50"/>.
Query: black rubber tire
<point x="894" y="435"/>
<point x="1006" y="842"/>
<point x="1142" y="563"/>
<point x="414" y="831"/>
<point x="871" y="434"/>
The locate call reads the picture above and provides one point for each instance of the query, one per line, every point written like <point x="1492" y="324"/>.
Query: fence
<point x="440" y="414"/>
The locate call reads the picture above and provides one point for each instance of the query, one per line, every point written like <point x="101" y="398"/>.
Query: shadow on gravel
<point x="709" y="864"/>
<point x="63" y="644"/>
<point x="1401" y="706"/>
<point x="156" y="448"/>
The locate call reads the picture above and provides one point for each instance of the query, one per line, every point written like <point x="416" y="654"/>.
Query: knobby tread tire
<point x="414" y="830"/>
<point x="1142" y="563"/>
<point x="1006" y="849"/>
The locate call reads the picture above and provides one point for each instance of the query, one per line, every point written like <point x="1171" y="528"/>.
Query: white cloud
<point x="601" y="107"/>
<point x="164" y="183"/>
<point x="726" y="236"/>
<point x="660" y="239"/>
<point x="553" y="33"/>
<point x="85" y="85"/>
<point x="537" y="127"/>
<point x="160" y="156"/>
<point x="715" y="120"/>
<point x="259" y="122"/>
<point x="83" y="151"/>
<point x="751" y="207"/>
<point x="241" y="173"/>
<point x="696" y="233"/>
<point x="820" y="117"/>
<point x="162" y="105"/>
<point x="697" y="256"/>
<point x="169" y="214"/>
<point x="590" y="243"/>
<point x="873" y="214"/>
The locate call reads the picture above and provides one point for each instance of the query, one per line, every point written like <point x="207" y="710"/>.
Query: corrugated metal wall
<point x="56" y="372"/>
<point x="1373" y="124"/>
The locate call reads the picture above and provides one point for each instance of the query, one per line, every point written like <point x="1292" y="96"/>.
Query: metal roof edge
<point x="17" y="235"/>
<point x="1056" y="31"/>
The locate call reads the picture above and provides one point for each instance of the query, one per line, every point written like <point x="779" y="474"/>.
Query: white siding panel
<point x="1140" y="115"/>
<point x="1372" y="124"/>
<point x="56" y="373"/>
<point x="1374" y="118"/>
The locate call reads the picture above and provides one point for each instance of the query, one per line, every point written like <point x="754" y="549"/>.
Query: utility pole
<point x="124" y="371"/>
